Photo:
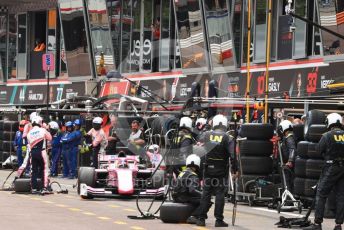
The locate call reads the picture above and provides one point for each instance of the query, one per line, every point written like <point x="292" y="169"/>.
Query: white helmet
<point x="201" y="121"/>
<point x="37" y="120"/>
<point x="285" y="126"/>
<point x="154" y="149"/>
<point x="220" y="120"/>
<point x="97" y="120"/>
<point x="185" y="122"/>
<point x="53" y="125"/>
<point x="32" y="116"/>
<point x="193" y="160"/>
<point x="333" y="119"/>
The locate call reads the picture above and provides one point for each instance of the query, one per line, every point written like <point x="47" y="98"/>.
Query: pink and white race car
<point x="120" y="176"/>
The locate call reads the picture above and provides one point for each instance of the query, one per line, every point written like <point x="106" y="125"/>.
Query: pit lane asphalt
<point x="70" y="212"/>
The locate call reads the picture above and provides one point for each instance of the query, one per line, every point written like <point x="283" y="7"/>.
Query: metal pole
<point x="48" y="92"/>
<point x="248" y="62"/>
<point x="268" y="51"/>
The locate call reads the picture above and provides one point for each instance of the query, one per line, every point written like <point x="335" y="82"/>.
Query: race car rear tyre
<point x="302" y="149"/>
<point x="256" y="148"/>
<point x="256" y="131"/>
<point x="314" y="117"/>
<point x="86" y="175"/>
<point x="300" y="167"/>
<point x="158" y="179"/>
<point x="314" y="168"/>
<point x="175" y="212"/>
<point x="315" y="132"/>
<point x="256" y="165"/>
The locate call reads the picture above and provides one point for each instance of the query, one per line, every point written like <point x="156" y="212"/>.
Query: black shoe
<point x="220" y="223"/>
<point x="313" y="227"/>
<point x="200" y="222"/>
<point x="338" y="227"/>
<point x="34" y="191"/>
<point x="192" y="220"/>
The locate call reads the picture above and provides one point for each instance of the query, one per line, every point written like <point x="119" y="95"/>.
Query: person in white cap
<point x="99" y="140"/>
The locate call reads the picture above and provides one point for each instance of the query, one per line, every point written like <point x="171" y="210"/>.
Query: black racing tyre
<point x="175" y="212"/>
<point x="1" y="144"/>
<point x="11" y="126"/>
<point x="86" y="175"/>
<point x="7" y="146"/>
<point x="256" y="148"/>
<point x="300" y="167"/>
<point x="8" y="136"/>
<point x="314" y="168"/>
<point x="303" y="187"/>
<point x="314" y="117"/>
<point x="298" y="131"/>
<point x="315" y="132"/>
<point x="1" y="125"/>
<point x="22" y="185"/>
<point x="159" y="179"/>
<point x="256" y="165"/>
<point x="256" y="131"/>
<point x="313" y="151"/>
<point x="302" y="149"/>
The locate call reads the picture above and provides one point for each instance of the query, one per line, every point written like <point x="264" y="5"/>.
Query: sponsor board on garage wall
<point x="304" y="82"/>
<point x="36" y="94"/>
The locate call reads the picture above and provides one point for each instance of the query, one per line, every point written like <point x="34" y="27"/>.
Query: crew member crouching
<point x="187" y="188"/>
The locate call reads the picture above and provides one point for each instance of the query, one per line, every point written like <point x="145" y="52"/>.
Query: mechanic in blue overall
<point x="18" y="142"/>
<point x="67" y="146"/>
<point x="55" y="147"/>
<point x="76" y="142"/>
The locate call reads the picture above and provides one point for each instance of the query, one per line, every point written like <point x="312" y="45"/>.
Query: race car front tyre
<point x="158" y="179"/>
<point x="86" y="175"/>
<point x="175" y="212"/>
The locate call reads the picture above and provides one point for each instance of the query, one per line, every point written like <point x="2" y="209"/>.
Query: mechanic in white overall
<point x="37" y="141"/>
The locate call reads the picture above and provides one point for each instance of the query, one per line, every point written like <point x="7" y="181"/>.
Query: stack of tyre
<point x="255" y="153"/>
<point x="309" y="162"/>
<point x="8" y="130"/>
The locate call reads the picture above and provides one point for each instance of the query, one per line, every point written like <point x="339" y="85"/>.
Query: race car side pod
<point x="148" y="214"/>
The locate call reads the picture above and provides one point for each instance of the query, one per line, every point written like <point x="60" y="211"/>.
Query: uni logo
<point x="339" y="138"/>
<point x="216" y="138"/>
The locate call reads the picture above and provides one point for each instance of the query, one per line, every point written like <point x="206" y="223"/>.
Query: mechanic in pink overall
<point x="99" y="140"/>
<point x="25" y="165"/>
<point x="37" y="141"/>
